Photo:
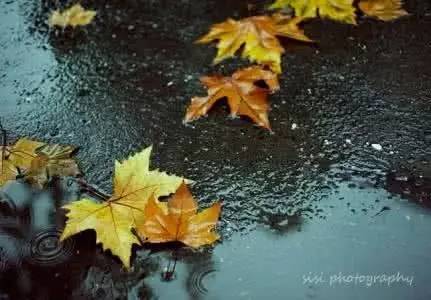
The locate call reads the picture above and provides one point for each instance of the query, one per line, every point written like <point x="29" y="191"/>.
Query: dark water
<point x="317" y="200"/>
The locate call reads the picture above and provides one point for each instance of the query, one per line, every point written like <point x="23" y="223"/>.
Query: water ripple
<point x="45" y="248"/>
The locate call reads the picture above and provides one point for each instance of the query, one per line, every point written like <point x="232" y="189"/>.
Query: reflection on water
<point x="10" y="253"/>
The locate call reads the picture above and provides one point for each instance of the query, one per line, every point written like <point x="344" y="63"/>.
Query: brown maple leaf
<point x="244" y="97"/>
<point x="180" y="221"/>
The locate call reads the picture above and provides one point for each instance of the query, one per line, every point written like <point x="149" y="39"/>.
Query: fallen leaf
<point x="37" y="161"/>
<point x="74" y="16"/>
<point x="180" y="221"/>
<point x="384" y="10"/>
<point x="7" y="171"/>
<point x="258" y="35"/>
<point x="114" y="219"/>
<point x="52" y="160"/>
<point x="244" y="97"/>
<point x="339" y="10"/>
<point x="23" y="152"/>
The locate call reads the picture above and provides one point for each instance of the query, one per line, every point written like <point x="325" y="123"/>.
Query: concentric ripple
<point x="197" y="280"/>
<point x="46" y="249"/>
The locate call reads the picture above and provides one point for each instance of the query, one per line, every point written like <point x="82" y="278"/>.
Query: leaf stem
<point x="88" y="187"/>
<point x="135" y="233"/>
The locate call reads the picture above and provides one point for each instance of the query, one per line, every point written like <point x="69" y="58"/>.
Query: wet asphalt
<point x="318" y="198"/>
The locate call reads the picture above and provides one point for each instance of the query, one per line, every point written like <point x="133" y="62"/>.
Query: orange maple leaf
<point x="179" y="221"/>
<point x="258" y="35"/>
<point x="244" y="97"/>
<point x="384" y="10"/>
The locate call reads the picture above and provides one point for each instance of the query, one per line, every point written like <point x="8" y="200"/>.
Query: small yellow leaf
<point x="7" y="171"/>
<point x="339" y="10"/>
<point x="73" y="16"/>
<point x="113" y="220"/>
<point x="180" y="222"/>
<point x="385" y="10"/>
<point x="37" y="161"/>
<point x="23" y="152"/>
<point x="257" y="35"/>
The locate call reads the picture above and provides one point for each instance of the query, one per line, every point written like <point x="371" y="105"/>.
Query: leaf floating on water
<point x="385" y="10"/>
<point x="114" y="219"/>
<point x="244" y="97"/>
<point x="338" y="10"/>
<point x="257" y="35"/>
<point x="74" y="16"/>
<point x="178" y="220"/>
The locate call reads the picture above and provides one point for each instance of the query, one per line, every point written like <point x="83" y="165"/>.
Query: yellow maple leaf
<point x="37" y="161"/>
<point x="7" y="171"/>
<point x="384" y="10"/>
<point x="339" y="10"/>
<point x="114" y="219"/>
<point x="258" y="35"/>
<point x="74" y="16"/>
<point x="180" y="221"/>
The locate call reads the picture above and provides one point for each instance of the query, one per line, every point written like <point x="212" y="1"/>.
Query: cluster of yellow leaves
<point x="36" y="161"/>
<point x="257" y="38"/>
<point x="244" y="97"/>
<point x="258" y="35"/>
<point x="339" y="10"/>
<point x="74" y="16"/>
<point x="134" y="205"/>
<point x="343" y="10"/>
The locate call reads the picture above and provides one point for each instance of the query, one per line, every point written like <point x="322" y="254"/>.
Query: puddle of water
<point x="267" y="264"/>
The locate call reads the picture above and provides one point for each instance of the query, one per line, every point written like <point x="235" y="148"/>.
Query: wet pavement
<point x="316" y="200"/>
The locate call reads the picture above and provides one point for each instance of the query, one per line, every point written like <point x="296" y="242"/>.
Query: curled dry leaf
<point x="74" y="16"/>
<point x="114" y="219"/>
<point x="180" y="221"/>
<point x="257" y="35"/>
<point x="37" y="161"/>
<point x="384" y="10"/>
<point x="339" y="10"/>
<point x="244" y="97"/>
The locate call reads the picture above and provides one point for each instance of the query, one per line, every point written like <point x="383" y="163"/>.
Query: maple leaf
<point x="258" y="35"/>
<point x="37" y="161"/>
<point x="339" y="10"/>
<point x="7" y="171"/>
<point x="17" y="159"/>
<point x="244" y="97"/>
<point x="179" y="221"/>
<point x="114" y="219"/>
<point x="385" y="10"/>
<point x="74" y="16"/>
